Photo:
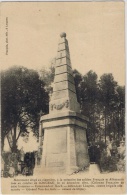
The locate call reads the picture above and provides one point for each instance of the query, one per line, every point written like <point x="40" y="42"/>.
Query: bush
<point x="101" y="145"/>
<point x="108" y="163"/>
<point x="121" y="165"/>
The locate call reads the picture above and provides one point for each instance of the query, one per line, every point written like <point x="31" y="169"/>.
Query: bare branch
<point x="9" y="142"/>
<point x="18" y="135"/>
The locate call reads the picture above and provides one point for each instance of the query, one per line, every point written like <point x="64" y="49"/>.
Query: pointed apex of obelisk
<point x="63" y="34"/>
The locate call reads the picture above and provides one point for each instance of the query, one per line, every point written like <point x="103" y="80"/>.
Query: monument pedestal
<point x="65" y="144"/>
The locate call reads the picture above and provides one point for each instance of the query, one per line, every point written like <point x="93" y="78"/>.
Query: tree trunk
<point x="118" y="124"/>
<point x="94" y="127"/>
<point x="14" y="147"/>
<point x="114" y="130"/>
<point x="122" y="117"/>
<point x="100" y="125"/>
<point x="105" y="126"/>
<point x="2" y="144"/>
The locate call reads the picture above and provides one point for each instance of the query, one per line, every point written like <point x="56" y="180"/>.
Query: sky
<point x="95" y="32"/>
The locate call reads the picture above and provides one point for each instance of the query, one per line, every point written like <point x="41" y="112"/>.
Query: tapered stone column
<point x="65" y="143"/>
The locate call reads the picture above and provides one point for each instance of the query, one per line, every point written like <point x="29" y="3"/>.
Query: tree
<point x="89" y="96"/>
<point x="107" y="88"/>
<point x="22" y="98"/>
<point x="47" y="75"/>
<point x="78" y="80"/>
<point x="119" y="111"/>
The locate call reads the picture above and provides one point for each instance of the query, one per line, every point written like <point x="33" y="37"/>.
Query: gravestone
<point x="65" y="143"/>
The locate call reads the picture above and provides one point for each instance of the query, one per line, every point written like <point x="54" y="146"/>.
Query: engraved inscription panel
<point x="57" y="141"/>
<point x="56" y="164"/>
<point x="56" y="160"/>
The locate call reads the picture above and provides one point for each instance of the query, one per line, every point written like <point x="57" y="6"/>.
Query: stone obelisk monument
<point x="65" y="143"/>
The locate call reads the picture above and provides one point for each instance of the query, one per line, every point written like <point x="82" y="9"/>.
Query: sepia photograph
<point x="63" y="98"/>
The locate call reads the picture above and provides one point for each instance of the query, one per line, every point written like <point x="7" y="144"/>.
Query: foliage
<point x="22" y="97"/>
<point x="121" y="165"/>
<point x="101" y="145"/>
<point x="102" y="101"/>
<point x="47" y="76"/>
<point x="108" y="163"/>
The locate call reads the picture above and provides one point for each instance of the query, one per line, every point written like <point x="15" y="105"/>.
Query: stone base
<point x="56" y="171"/>
<point x="65" y="145"/>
